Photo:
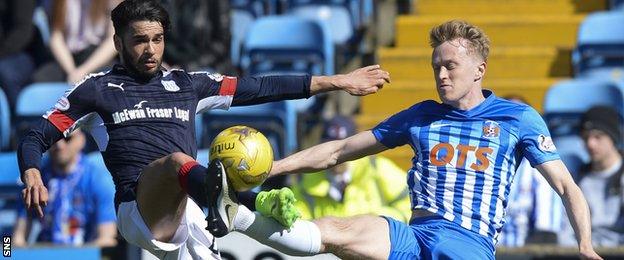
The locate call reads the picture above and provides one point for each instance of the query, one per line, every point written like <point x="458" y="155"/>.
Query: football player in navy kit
<point x="147" y="137"/>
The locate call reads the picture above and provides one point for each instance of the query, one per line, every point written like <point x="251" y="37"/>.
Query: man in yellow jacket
<point x="370" y="185"/>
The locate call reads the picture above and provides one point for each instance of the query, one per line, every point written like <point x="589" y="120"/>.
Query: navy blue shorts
<point x="436" y="238"/>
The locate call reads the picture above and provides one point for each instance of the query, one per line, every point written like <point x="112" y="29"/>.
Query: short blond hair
<point x="454" y="29"/>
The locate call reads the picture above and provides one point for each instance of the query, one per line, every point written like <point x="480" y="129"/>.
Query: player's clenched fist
<point x="35" y="194"/>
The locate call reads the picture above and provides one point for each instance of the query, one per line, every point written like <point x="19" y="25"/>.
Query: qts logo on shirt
<point x="442" y="154"/>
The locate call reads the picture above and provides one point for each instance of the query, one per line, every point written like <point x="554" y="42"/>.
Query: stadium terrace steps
<point x="504" y="62"/>
<point x="401" y="94"/>
<point x="503" y="30"/>
<point x="464" y="7"/>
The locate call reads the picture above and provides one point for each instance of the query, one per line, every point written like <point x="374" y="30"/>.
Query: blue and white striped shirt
<point x="465" y="160"/>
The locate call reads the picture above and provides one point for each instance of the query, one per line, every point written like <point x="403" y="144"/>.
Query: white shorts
<point x="190" y="241"/>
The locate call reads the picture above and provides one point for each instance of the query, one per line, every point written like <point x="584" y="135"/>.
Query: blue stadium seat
<point x="240" y="22"/>
<point x="95" y="158"/>
<point x="360" y="11"/>
<point x="336" y="19"/>
<point x="202" y="156"/>
<point x="40" y="20"/>
<point x="5" y="122"/>
<point x="565" y="101"/>
<point x="273" y="41"/>
<point x="572" y="151"/>
<point x="10" y="187"/>
<point x="600" y="42"/>
<point x="36" y="99"/>
<point x="9" y="175"/>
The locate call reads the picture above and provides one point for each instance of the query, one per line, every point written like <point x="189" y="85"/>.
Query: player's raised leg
<point x="160" y="199"/>
<point x="358" y="237"/>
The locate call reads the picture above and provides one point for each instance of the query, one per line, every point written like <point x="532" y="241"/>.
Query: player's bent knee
<point x="175" y="160"/>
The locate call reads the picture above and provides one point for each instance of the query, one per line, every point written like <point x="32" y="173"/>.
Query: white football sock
<point x="303" y="238"/>
<point x="243" y="219"/>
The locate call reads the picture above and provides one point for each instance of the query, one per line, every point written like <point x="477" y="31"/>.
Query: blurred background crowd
<point x="563" y="57"/>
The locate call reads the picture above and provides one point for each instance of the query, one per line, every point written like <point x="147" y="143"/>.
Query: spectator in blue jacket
<point x="80" y="209"/>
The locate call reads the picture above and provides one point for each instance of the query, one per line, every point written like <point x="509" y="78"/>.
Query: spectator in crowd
<point x="372" y="184"/>
<point x="81" y="208"/>
<point x="199" y="38"/>
<point x="534" y="214"/>
<point x="17" y="33"/>
<point x="81" y="40"/>
<point x="601" y="179"/>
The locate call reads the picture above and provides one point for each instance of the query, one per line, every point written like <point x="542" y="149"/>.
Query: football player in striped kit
<point x="466" y="150"/>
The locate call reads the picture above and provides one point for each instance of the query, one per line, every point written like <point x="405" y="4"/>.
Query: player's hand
<point x="35" y="194"/>
<point x="589" y="254"/>
<point x="278" y="204"/>
<point x="364" y="81"/>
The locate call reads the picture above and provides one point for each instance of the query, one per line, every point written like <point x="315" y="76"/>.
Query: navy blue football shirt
<point x="135" y="122"/>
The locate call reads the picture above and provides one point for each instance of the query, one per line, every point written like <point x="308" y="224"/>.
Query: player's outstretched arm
<point x="360" y="82"/>
<point x="326" y="155"/>
<point x="576" y="206"/>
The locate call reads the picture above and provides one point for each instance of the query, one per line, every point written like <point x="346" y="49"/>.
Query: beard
<point x="133" y="67"/>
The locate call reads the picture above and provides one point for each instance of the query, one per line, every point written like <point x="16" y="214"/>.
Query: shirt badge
<point x="170" y="85"/>
<point x="491" y="129"/>
<point x="545" y="143"/>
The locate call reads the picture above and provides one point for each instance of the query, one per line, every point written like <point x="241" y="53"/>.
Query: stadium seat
<point x="5" y="122"/>
<point x="361" y="11"/>
<point x="336" y="19"/>
<point x="202" y="156"/>
<point x="572" y="151"/>
<point x="38" y="98"/>
<point x="567" y="100"/>
<point x="96" y="159"/>
<point x="9" y="176"/>
<point x="600" y="42"/>
<point x="255" y="8"/>
<point x="40" y="20"/>
<point x="10" y="187"/>
<point x="34" y="101"/>
<point x="240" y="22"/>
<point x="282" y="43"/>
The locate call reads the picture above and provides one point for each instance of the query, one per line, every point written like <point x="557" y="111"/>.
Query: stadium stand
<point x="564" y="104"/>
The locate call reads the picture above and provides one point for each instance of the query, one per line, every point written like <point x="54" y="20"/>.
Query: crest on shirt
<point x="491" y="129"/>
<point x="170" y="85"/>
<point x="545" y="143"/>
<point x="216" y="77"/>
<point x="62" y="104"/>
